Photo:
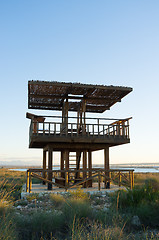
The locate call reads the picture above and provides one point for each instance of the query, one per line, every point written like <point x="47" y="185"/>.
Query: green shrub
<point x="138" y="196"/>
<point x="7" y="228"/>
<point x="95" y="231"/>
<point x="57" y="200"/>
<point x="76" y="208"/>
<point x="40" y="224"/>
<point x="32" y="196"/>
<point x="149" y="214"/>
<point x="79" y="194"/>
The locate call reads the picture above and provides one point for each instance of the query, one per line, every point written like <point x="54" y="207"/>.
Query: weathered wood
<point x="83" y="181"/>
<point x="84" y="166"/>
<point x="46" y="180"/>
<point x="99" y="179"/>
<point x="97" y="173"/>
<point x="90" y="167"/>
<point x="62" y="163"/>
<point x="57" y="92"/>
<point x="44" y="166"/>
<point x="30" y="183"/>
<point x="27" y="181"/>
<point x="50" y="168"/>
<point x="132" y="180"/>
<point x="40" y="119"/>
<point x="67" y="168"/>
<point x="119" y="178"/>
<point x="106" y="166"/>
<point x="72" y="134"/>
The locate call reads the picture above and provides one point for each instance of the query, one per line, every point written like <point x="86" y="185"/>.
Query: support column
<point x="106" y="166"/>
<point x="44" y="166"/>
<point x="78" y="158"/>
<point x="50" y="168"/>
<point x="66" y="167"/>
<point x="90" y="167"/>
<point x="62" y="164"/>
<point x="85" y="167"/>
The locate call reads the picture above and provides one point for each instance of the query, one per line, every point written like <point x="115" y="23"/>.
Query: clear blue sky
<point x="99" y="42"/>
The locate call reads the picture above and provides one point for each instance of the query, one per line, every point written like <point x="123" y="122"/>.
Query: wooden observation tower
<point x="74" y="135"/>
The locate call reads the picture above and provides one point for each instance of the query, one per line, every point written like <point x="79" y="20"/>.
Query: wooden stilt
<point x="62" y="164"/>
<point x="84" y="167"/>
<point x="90" y="167"/>
<point x="50" y="168"/>
<point x="44" y="166"/>
<point x="78" y="158"/>
<point x="67" y="168"/>
<point x="106" y="166"/>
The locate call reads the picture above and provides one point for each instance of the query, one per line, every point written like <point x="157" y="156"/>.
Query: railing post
<point x="54" y="128"/>
<point x="99" y="179"/>
<point x="27" y="181"/>
<point x="132" y="179"/>
<point x="30" y="182"/>
<point x="43" y="128"/>
<point x="108" y="130"/>
<point x="119" y="178"/>
<point x="71" y="129"/>
<point x="123" y="128"/>
<point x="66" y="180"/>
<point x="98" y="126"/>
<point x="88" y="129"/>
<point x="49" y="128"/>
<point x="128" y="128"/>
<point x="37" y="128"/>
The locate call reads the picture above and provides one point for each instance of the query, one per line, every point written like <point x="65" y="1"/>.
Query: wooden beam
<point x="44" y="166"/>
<point x="106" y="165"/>
<point x="84" y="166"/>
<point x="90" y="167"/>
<point x="66" y="167"/>
<point x="50" y="168"/>
<point x="35" y="117"/>
<point x="62" y="163"/>
<point x="75" y="97"/>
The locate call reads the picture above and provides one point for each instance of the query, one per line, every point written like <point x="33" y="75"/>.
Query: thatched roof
<point x="51" y="95"/>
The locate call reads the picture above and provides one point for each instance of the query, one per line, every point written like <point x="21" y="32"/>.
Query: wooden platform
<point x="39" y="188"/>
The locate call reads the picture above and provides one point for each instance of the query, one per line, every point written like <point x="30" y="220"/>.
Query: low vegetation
<point x="77" y="215"/>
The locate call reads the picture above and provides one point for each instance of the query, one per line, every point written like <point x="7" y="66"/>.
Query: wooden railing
<point x="123" y="177"/>
<point x="101" y="128"/>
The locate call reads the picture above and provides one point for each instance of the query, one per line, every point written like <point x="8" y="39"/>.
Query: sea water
<point x="154" y="169"/>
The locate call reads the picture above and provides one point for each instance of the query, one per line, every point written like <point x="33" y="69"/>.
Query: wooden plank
<point x="83" y="181"/>
<point x="46" y="180"/>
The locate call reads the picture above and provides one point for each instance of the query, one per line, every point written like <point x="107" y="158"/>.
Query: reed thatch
<point x="51" y="95"/>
